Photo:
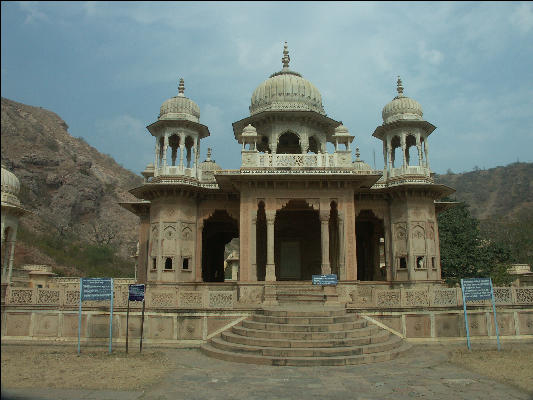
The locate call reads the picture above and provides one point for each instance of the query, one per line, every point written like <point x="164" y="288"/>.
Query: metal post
<point x="127" y="322"/>
<point x="111" y="318"/>
<point x="79" y="316"/>
<point x="142" y="326"/>
<point x="494" y="310"/>
<point x="466" y="318"/>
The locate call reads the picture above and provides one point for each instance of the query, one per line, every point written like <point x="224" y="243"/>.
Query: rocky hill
<point x="69" y="186"/>
<point x="495" y="192"/>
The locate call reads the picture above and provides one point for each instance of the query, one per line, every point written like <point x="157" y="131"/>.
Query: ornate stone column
<point x="324" y="233"/>
<point x="253" y="250"/>
<point x="11" y="257"/>
<point x="404" y="164"/>
<point x="419" y="148"/>
<point x="182" y="151"/>
<point x="426" y="152"/>
<point x="142" y="260"/>
<point x="165" y="147"/>
<point x="342" y="272"/>
<point x="270" y="267"/>
<point x="199" y="230"/>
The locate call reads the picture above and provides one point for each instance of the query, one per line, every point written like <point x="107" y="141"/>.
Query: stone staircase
<point x="291" y="294"/>
<point x="305" y="336"/>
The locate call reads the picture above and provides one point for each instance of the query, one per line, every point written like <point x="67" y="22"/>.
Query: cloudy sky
<point x="105" y="68"/>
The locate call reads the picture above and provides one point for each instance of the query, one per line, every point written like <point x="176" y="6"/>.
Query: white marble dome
<point x="360" y="165"/>
<point x="10" y="187"/>
<point x="180" y="107"/>
<point x="286" y="90"/>
<point x="401" y="108"/>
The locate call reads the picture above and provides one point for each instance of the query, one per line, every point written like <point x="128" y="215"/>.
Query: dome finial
<point x="357" y="154"/>
<point x="181" y="88"/>
<point x="400" y="87"/>
<point x="208" y="154"/>
<point x="286" y="59"/>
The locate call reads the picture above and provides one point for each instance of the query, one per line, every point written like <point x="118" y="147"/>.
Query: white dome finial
<point x="286" y="59"/>
<point x="208" y="154"/>
<point x="399" y="87"/>
<point x="181" y="88"/>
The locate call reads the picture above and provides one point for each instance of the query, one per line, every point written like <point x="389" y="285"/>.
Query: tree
<point x="465" y="253"/>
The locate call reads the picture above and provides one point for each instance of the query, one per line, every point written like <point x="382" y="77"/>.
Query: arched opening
<point x="411" y="152"/>
<point x="261" y="242"/>
<point x="313" y="145"/>
<point x="262" y="145"/>
<point x="334" y="238"/>
<point x="174" y="144"/>
<point x="189" y="143"/>
<point x="168" y="263"/>
<point x="218" y="231"/>
<point x="369" y="231"/>
<point x="297" y="244"/>
<point x="162" y="154"/>
<point x="395" y="143"/>
<point x="289" y="143"/>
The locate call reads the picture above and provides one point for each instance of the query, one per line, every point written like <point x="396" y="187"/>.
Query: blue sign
<point x="477" y="289"/>
<point x="328" y="279"/>
<point x="136" y="293"/>
<point x="96" y="289"/>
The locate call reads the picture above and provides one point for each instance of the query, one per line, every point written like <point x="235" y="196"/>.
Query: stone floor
<point x="422" y="373"/>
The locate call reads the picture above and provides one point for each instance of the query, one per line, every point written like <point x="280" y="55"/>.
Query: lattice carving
<point x="524" y="295"/>
<point x="388" y="298"/>
<point x="221" y="299"/>
<point x="162" y="300"/>
<point x="503" y="295"/>
<point x="445" y="297"/>
<point x="345" y="292"/>
<point x="47" y="296"/>
<point x="191" y="299"/>
<point x="72" y="297"/>
<point x="416" y="298"/>
<point x="21" y="296"/>
<point x="250" y="294"/>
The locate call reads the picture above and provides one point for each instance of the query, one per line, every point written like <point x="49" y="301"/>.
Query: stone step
<point x="295" y="298"/>
<point x="388" y="345"/>
<point x="306" y="312"/>
<point x="331" y="335"/>
<point x="379" y="337"/>
<point x="364" y="358"/>
<point x="341" y="326"/>
<point x="301" y="320"/>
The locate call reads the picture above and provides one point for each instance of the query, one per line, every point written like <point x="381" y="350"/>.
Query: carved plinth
<point x="270" y="297"/>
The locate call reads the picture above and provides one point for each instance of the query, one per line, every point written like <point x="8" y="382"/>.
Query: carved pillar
<point x="159" y="262"/>
<point x="270" y="267"/>
<point x="11" y="257"/>
<point x="419" y="148"/>
<point x="389" y="166"/>
<point x="182" y="150"/>
<point x="244" y="237"/>
<point x="324" y="231"/>
<point x="144" y="240"/>
<point x="253" y="249"/>
<point x="6" y="259"/>
<point x="426" y="153"/>
<point x="342" y="272"/>
<point x="165" y="147"/>
<point x="199" y="230"/>
<point x="404" y="163"/>
<point x="349" y="238"/>
<point x="157" y="151"/>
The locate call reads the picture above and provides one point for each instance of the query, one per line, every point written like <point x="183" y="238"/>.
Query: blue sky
<point x="105" y="68"/>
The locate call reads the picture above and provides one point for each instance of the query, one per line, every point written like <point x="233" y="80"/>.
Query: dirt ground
<point x="513" y="365"/>
<point x="30" y="366"/>
<point x="41" y="366"/>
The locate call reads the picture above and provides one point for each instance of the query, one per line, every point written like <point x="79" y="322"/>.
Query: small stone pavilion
<point x="11" y="212"/>
<point x="297" y="209"/>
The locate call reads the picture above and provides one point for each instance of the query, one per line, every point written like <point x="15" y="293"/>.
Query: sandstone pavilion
<point x="297" y="210"/>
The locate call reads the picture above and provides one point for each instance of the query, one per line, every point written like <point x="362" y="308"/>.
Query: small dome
<point x="249" y="131"/>
<point x="401" y="108"/>
<point x="180" y="107"/>
<point x="341" y="130"/>
<point x="286" y="90"/>
<point x="360" y="165"/>
<point x="10" y="187"/>
<point x="208" y="164"/>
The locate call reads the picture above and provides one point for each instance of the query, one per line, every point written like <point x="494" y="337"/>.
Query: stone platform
<point x="305" y="336"/>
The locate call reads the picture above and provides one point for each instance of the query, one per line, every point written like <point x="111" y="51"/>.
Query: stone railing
<point x="264" y="160"/>
<point x="67" y="295"/>
<point x="409" y="170"/>
<point x="375" y="297"/>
